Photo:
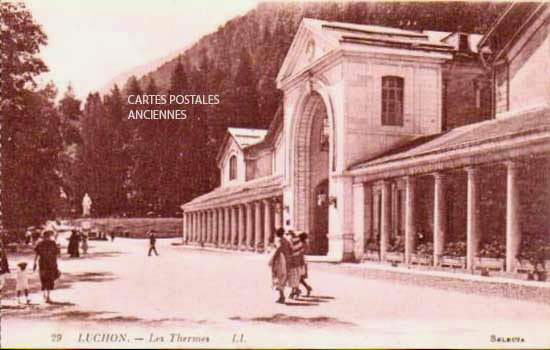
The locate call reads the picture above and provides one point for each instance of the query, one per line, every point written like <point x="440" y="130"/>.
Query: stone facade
<point x="453" y="170"/>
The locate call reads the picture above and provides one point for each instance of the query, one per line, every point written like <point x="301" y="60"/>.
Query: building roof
<point x="509" y="26"/>
<point x="521" y="124"/>
<point x="247" y="137"/>
<point x="263" y="187"/>
<point x="339" y="32"/>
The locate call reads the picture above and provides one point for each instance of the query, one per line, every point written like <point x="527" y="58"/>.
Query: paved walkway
<point x="226" y="298"/>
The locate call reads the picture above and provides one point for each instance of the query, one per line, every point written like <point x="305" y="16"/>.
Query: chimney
<point x="463" y="43"/>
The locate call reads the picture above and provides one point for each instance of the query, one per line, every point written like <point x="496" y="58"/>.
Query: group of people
<point x="288" y="266"/>
<point x="77" y="240"/>
<point x="45" y="260"/>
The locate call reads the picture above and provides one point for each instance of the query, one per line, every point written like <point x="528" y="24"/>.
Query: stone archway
<point x="307" y="172"/>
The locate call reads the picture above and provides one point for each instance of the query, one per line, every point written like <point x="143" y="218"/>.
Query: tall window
<point x="392" y="101"/>
<point x="233" y="167"/>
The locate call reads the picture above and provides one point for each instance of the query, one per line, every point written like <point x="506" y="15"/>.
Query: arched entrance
<point x="311" y="172"/>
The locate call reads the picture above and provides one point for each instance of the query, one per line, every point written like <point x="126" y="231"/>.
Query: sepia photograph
<point x="274" y="174"/>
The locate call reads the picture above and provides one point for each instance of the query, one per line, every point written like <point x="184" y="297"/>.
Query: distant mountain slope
<point x="265" y="34"/>
<point x="140" y="70"/>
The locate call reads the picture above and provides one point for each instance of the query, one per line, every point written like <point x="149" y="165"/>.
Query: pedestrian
<point x="22" y="282"/>
<point x="112" y="236"/>
<point x="72" y="249"/>
<point x="304" y="238"/>
<point x="84" y="240"/>
<point x="152" y="242"/>
<point x="295" y="265"/>
<point x="28" y="237"/>
<point x="279" y="264"/>
<point x="4" y="267"/>
<point x="46" y="255"/>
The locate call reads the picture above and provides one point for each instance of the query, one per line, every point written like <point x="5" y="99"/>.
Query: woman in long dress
<point x="46" y="254"/>
<point x="279" y="264"/>
<point x="73" y="249"/>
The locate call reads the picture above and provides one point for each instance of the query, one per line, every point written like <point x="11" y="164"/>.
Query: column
<point x="215" y="229"/>
<point x="358" y="220"/>
<point x="410" y="212"/>
<point x="278" y="214"/>
<point x="241" y="230"/>
<point x="513" y="222"/>
<point x="219" y="235"/>
<point x="249" y="226"/>
<point x="204" y="226"/>
<point x="385" y="218"/>
<point x="472" y="218"/>
<point x="184" y="227"/>
<point x="193" y="227"/>
<point x="440" y="216"/>
<point x="211" y="226"/>
<point x="257" y="224"/>
<point x="227" y="227"/>
<point x="233" y="228"/>
<point x="267" y="223"/>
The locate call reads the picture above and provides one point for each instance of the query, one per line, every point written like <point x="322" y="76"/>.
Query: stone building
<point x="387" y="135"/>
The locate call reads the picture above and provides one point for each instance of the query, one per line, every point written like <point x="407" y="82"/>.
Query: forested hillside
<point x="134" y="167"/>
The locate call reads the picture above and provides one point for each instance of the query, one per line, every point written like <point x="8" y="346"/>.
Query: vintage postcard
<point x="247" y="174"/>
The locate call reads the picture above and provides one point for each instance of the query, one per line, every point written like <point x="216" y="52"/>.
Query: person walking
<point x="152" y="243"/>
<point x="73" y="249"/>
<point x="296" y="262"/>
<point x="4" y="267"/>
<point x="22" y="282"/>
<point x="304" y="239"/>
<point x="46" y="255"/>
<point x="279" y="263"/>
<point x="84" y="239"/>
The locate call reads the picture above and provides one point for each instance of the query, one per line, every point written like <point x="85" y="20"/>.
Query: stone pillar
<point x="278" y="215"/>
<point x="193" y="227"/>
<point x="241" y="228"/>
<point x="249" y="226"/>
<point x="358" y="220"/>
<point x="228" y="229"/>
<point x="267" y="223"/>
<point x="215" y="230"/>
<point x="234" y="228"/>
<point x="440" y="216"/>
<point x="205" y="226"/>
<point x="472" y="219"/>
<point x="183" y="227"/>
<point x="410" y="212"/>
<point x="513" y="222"/>
<point x="257" y="225"/>
<point x="385" y="218"/>
<point x="220" y="227"/>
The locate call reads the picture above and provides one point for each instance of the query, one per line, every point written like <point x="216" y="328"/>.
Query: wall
<point x="232" y="149"/>
<point x="460" y="100"/>
<point x="525" y="80"/>
<point x="366" y="137"/>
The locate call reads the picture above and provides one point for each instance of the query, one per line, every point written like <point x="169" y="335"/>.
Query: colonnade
<point x="473" y="220"/>
<point x="245" y="226"/>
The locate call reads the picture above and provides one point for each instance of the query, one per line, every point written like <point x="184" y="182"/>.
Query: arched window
<point x="392" y="101"/>
<point x="233" y="167"/>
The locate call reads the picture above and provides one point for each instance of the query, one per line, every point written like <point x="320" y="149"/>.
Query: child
<point x="22" y="282"/>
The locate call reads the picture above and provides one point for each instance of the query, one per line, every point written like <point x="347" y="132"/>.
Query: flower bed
<point x="421" y="259"/>
<point x="395" y="257"/>
<point x="495" y="264"/>
<point x="371" y="255"/>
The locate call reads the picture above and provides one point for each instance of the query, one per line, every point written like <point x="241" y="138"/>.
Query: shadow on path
<point x="319" y="321"/>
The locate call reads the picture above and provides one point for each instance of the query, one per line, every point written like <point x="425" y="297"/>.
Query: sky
<point x="91" y="42"/>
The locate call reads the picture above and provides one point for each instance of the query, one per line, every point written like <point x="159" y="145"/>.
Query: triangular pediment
<point x="309" y="44"/>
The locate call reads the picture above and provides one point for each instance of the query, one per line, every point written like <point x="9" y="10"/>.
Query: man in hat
<point x="152" y="242"/>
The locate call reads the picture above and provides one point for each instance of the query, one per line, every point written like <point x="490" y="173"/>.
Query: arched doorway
<point x="311" y="172"/>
